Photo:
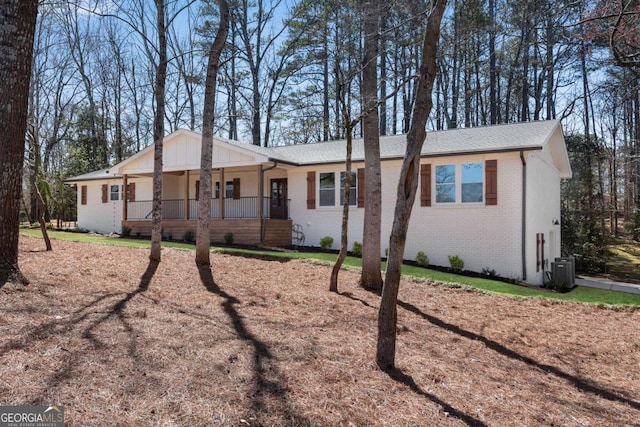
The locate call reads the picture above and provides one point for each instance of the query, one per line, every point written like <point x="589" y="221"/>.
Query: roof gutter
<point x="284" y="162"/>
<point x="524" y="216"/>
<point x="261" y="198"/>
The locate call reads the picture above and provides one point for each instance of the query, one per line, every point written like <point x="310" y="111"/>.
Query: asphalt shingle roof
<point x="507" y="137"/>
<point x="484" y="139"/>
<point x="91" y="176"/>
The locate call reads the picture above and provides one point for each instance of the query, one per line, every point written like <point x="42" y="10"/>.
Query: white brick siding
<point x="98" y="216"/>
<point x="482" y="236"/>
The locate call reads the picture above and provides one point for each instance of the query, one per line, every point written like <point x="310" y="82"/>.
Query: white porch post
<point x="125" y="192"/>
<point x="260" y="192"/>
<point x="186" y="195"/>
<point x="223" y="192"/>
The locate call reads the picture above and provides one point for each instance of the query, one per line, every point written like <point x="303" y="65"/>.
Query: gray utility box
<point x="563" y="270"/>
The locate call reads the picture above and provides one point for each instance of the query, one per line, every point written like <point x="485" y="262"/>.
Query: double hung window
<point x="445" y="184"/>
<point x="115" y="193"/>
<point x="462" y="183"/>
<point x="471" y="178"/>
<point x="352" y="188"/>
<point x="328" y="188"/>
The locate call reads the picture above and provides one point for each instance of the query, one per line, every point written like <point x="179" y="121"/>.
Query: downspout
<point x="524" y="216"/>
<point x="261" y="199"/>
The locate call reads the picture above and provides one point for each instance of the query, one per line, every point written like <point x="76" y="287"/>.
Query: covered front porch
<point x="248" y="221"/>
<point x="248" y="192"/>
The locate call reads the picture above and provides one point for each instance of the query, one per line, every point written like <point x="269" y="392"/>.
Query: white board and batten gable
<point x="181" y="151"/>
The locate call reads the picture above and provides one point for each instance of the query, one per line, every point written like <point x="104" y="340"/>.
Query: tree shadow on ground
<point x="580" y="383"/>
<point x="399" y="376"/>
<point x="577" y="382"/>
<point x="353" y="298"/>
<point x="118" y="308"/>
<point x="42" y="331"/>
<point x="268" y="379"/>
<point x="72" y="358"/>
<point x="258" y="256"/>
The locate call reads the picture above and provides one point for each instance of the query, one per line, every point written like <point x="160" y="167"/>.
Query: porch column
<point x="223" y="192"/>
<point x="125" y="192"/>
<point x="186" y="197"/>
<point x="260" y="191"/>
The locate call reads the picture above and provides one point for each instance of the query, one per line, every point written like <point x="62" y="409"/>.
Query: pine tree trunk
<point x="636" y="136"/>
<point x="526" y="41"/>
<point x="344" y="241"/>
<point x="158" y="135"/>
<point x="233" y="99"/>
<point x="39" y="181"/>
<point x="550" y="67"/>
<point x="493" y="101"/>
<point x="383" y="72"/>
<point x="326" y="126"/>
<point x="371" y="278"/>
<point x="17" y="28"/>
<point x="43" y="223"/>
<point x="204" y="198"/>
<point x="407" y="185"/>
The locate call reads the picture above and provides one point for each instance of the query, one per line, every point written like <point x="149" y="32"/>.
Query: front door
<point x="279" y="205"/>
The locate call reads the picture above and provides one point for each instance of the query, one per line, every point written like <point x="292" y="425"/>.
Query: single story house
<point x="490" y="195"/>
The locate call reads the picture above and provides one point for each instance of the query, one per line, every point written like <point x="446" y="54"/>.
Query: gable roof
<point x="182" y="149"/>
<point x="101" y="174"/>
<point x="484" y="139"/>
<point x="476" y="140"/>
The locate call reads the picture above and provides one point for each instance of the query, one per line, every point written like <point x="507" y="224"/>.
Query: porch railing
<point x="173" y="209"/>
<point x="243" y="207"/>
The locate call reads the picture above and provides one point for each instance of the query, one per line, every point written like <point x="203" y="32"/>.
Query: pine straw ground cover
<point x="118" y="341"/>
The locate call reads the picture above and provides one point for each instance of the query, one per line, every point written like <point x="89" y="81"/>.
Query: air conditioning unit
<point x="563" y="272"/>
<point x="571" y="261"/>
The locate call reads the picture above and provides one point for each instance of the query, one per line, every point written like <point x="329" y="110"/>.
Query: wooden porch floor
<point x="277" y="232"/>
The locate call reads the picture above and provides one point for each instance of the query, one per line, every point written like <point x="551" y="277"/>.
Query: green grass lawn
<point x="579" y="294"/>
<point x="623" y="262"/>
